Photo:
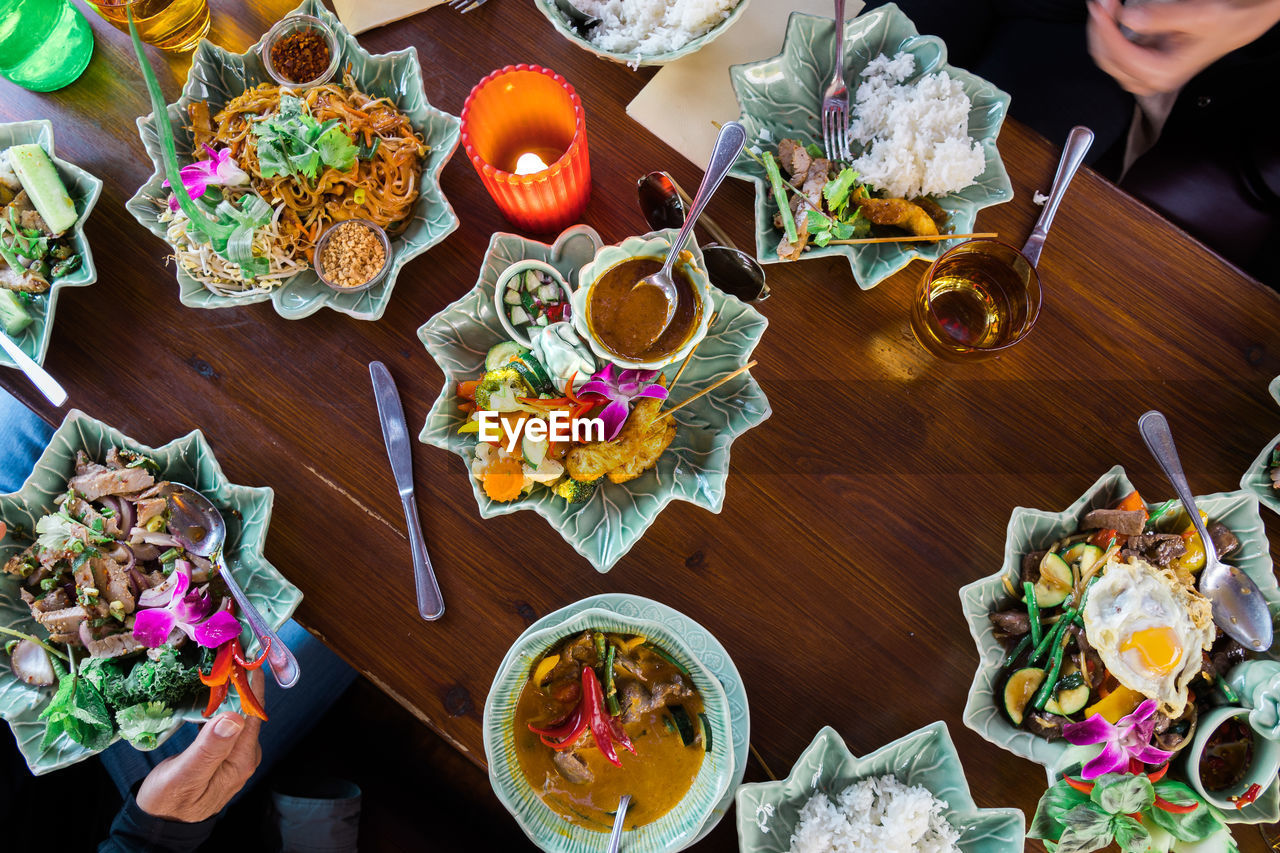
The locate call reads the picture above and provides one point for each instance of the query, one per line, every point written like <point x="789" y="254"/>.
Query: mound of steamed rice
<point x="876" y="815"/>
<point x="916" y="135"/>
<point x="646" y="27"/>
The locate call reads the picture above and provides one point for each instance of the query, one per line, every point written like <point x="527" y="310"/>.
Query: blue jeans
<point x="23" y="436"/>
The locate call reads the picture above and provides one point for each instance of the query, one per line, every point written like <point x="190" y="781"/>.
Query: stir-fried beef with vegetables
<point x="131" y="617"/>
<point x="1273" y="467"/>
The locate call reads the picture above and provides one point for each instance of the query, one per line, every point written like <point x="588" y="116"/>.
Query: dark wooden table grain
<point x="882" y="483"/>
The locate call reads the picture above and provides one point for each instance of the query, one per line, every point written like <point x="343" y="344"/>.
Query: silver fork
<point x="835" y="101"/>
<point x="465" y="6"/>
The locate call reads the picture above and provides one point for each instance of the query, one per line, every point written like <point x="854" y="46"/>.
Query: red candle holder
<point x="519" y="113"/>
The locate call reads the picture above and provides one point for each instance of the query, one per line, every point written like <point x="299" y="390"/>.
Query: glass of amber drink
<point x="176" y="25"/>
<point x="981" y="297"/>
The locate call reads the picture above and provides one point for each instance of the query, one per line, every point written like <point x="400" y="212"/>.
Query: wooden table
<point x="882" y="483"/>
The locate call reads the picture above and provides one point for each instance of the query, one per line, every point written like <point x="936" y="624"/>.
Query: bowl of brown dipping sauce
<point x="619" y="320"/>
<point x="1226" y="757"/>
<point x="353" y="255"/>
<point x="300" y="51"/>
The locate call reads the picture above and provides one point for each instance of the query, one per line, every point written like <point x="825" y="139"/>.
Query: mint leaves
<point x="291" y="142"/>
<point x="78" y="709"/>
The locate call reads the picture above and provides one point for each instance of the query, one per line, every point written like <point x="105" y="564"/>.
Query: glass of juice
<point x="44" y="44"/>
<point x="981" y="297"/>
<point x="176" y="25"/>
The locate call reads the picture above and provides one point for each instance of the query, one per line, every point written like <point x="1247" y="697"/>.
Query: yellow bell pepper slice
<point x="1118" y="703"/>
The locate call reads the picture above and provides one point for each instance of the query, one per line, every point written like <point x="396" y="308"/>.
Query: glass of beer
<point x="981" y="297"/>
<point x="176" y="25"/>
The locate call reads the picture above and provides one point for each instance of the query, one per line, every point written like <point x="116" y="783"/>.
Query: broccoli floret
<point x="499" y="388"/>
<point x="171" y="680"/>
<point x="576" y="491"/>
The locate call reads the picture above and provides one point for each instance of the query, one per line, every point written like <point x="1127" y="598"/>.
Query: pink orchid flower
<point x="218" y="171"/>
<point x="175" y="606"/>
<point x="620" y="390"/>
<point x="1128" y="739"/>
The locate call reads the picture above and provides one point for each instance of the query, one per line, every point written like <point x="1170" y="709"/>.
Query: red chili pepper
<point x="248" y="699"/>
<point x="230" y="666"/>
<point x="1249" y="796"/>
<point x="221" y="669"/>
<point x="217" y="695"/>
<point x="1175" y="808"/>
<point x="597" y="719"/>
<point x="1079" y="784"/>
<point x="1157" y="775"/>
<point x="566" y="734"/>
<point x="255" y="663"/>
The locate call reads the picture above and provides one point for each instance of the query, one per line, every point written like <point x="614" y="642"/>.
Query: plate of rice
<point x="646" y="32"/>
<point x="922" y="131"/>
<point x="909" y="796"/>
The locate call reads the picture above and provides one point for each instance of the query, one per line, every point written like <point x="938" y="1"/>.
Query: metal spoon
<point x="38" y="375"/>
<point x="1238" y="606"/>
<point x="615" y="839"/>
<point x="578" y="19"/>
<point x="202" y="531"/>
<point x="728" y="146"/>
<point x="1078" y="142"/>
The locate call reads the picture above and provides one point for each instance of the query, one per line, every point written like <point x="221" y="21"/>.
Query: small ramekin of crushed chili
<point x="353" y="255"/>
<point x="300" y="51"/>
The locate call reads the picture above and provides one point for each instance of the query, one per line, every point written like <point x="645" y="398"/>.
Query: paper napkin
<point x="360" y="15"/>
<point x="684" y="98"/>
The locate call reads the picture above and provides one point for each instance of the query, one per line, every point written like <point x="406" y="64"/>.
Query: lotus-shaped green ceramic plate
<point x="769" y="811"/>
<point x="782" y="97"/>
<point x="1033" y="529"/>
<point x="694" y="468"/>
<point x="218" y="76"/>
<point x="83" y="189"/>
<point x="675" y="830"/>
<point x="187" y="460"/>
<point x="1258" y="478"/>
<point x="563" y="26"/>
<point x="704" y="646"/>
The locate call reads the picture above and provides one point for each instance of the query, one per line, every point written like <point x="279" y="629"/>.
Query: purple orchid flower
<point x="218" y="171"/>
<point x="175" y="606"/>
<point x="620" y="390"/>
<point x="1128" y="739"/>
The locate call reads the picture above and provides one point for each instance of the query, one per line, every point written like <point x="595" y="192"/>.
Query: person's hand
<point x="198" y="782"/>
<point x="1176" y="40"/>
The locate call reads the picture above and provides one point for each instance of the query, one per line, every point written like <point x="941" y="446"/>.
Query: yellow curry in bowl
<point x="604" y="715"/>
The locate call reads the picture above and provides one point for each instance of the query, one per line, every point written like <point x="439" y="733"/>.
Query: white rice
<point x="917" y="133"/>
<point x="876" y="815"/>
<point x="645" y="27"/>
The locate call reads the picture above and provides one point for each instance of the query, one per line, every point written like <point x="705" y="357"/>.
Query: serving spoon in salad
<point x="197" y="524"/>
<point x="1238" y="606"/>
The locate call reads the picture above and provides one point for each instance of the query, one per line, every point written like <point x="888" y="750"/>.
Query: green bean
<point x="1227" y="691"/>
<point x="1033" y="611"/>
<point x="1022" y="646"/>
<point x="1047" y="642"/>
<point x="1055" y="667"/>
<point x="780" y="196"/>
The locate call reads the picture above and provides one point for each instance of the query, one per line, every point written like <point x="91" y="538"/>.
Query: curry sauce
<point x="657" y="708"/>
<point x="623" y="318"/>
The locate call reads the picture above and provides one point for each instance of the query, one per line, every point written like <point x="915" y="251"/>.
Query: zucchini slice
<point x="1055" y="581"/>
<point x="500" y="354"/>
<point x="1082" y="555"/>
<point x="684" y="725"/>
<point x="1019" y="689"/>
<point x="706" y="732"/>
<point x="1067" y="702"/>
<point x="662" y="653"/>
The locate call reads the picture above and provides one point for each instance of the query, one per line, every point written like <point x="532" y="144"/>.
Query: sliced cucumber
<point x="532" y="281"/>
<point x="1019" y="689"/>
<point x="511" y="297"/>
<point x="534" y="450"/>
<point x="14" y="316"/>
<point x="1067" y="702"/>
<point x="1055" y="582"/>
<point x="549" y="293"/>
<point x="519" y="316"/>
<point x="501" y="354"/>
<point x="40" y="179"/>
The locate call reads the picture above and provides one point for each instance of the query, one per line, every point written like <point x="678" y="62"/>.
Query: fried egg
<point x="1150" y="630"/>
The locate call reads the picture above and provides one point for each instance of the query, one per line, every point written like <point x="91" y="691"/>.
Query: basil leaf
<point x="1192" y="826"/>
<point x="1125" y="795"/>
<point x="1131" y="835"/>
<point x="1055" y="803"/>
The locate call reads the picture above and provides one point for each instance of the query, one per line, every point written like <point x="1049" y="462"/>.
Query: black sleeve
<point x="135" y="831"/>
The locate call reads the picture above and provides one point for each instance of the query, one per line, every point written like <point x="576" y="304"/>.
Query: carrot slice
<point x="504" y="479"/>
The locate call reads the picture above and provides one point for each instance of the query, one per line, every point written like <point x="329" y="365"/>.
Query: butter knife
<point x="396" y="434"/>
<point x="38" y="375"/>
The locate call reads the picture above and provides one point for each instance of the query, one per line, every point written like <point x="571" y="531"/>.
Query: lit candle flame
<point x="529" y="163"/>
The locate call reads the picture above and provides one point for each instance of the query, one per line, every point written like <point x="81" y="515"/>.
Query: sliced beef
<point x="1031" y="566"/>
<point x="149" y="509"/>
<point x="573" y="768"/>
<point x="112" y="580"/>
<point x="1123" y="521"/>
<point x="1157" y="548"/>
<point x="1224" y="541"/>
<point x="114" y="646"/>
<point x="637" y="699"/>
<point x="1045" y="725"/>
<point x="98" y="481"/>
<point x="55" y="599"/>
<point x="1010" y="623"/>
<point x="64" y="621"/>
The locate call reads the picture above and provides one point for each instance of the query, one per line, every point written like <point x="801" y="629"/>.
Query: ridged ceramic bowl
<point x="84" y="189"/>
<point x="654" y="245"/>
<point x="563" y="26"/>
<point x="1033" y="529"/>
<point x="187" y="460"/>
<point x="218" y="76"/>
<point x="547" y="829"/>
<point x="694" y="468"/>
<point x="1258" y="478"/>
<point x="782" y="97"/>
<point x="768" y="812"/>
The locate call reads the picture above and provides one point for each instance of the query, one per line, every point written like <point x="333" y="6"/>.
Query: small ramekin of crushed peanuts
<point x="352" y="255"/>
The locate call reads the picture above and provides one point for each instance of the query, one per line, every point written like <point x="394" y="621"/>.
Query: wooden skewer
<point x="760" y="759"/>
<point x="707" y="390"/>
<point x="688" y="357"/>
<point x="923" y="238"/>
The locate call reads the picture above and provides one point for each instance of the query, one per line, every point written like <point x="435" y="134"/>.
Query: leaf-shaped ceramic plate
<point x="782" y="97"/>
<point x="84" y="190"/>
<point x="1258" y="478"/>
<point x="218" y="76"/>
<point x="769" y="811"/>
<point x="187" y="460"/>
<point x="709" y="651"/>
<point x="565" y="28"/>
<point x="674" y="830"/>
<point x="694" y="468"/>
<point x="1034" y="529"/>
